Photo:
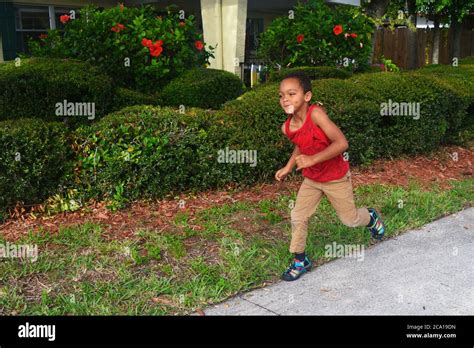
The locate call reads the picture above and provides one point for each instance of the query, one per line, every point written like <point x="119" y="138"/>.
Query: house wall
<point x="7" y="31"/>
<point x="1" y="50"/>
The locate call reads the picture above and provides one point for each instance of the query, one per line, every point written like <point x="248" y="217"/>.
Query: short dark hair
<point x="303" y="79"/>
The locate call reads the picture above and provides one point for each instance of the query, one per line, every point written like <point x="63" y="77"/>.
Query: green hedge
<point x="458" y="85"/>
<point x="153" y="151"/>
<point x="146" y="151"/>
<point x="34" y="157"/>
<point x="204" y="88"/>
<point x="313" y="72"/>
<point x="32" y="89"/>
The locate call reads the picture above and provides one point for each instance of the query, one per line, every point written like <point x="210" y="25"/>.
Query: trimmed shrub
<point x="35" y="155"/>
<point x="313" y="72"/>
<point x="149" y="152"/>
<point x="457" y="85"/>
<point x="33" y="89"/>
<point x="409" y="133"/>
<point x="204" y="88"/>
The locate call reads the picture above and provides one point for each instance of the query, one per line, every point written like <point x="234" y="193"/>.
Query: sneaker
<point x="377" y="229"/>
<point x="297" y="269"/>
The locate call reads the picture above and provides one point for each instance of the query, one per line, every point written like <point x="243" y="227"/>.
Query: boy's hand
<point x="282" y="173"/>
<point x="304" y="161"/>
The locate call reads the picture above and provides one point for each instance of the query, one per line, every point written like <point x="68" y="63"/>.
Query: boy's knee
<point x="298" y="223"/>
<point x="295" y="218"/>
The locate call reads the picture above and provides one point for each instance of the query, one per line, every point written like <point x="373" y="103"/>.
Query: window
<point x="32" y="21"/>
<point x="253" y="30"/>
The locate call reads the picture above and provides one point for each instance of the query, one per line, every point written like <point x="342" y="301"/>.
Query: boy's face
<point x="292" y="96"/>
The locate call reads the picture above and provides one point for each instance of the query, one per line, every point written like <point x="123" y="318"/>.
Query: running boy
<point x="319" y="145"/>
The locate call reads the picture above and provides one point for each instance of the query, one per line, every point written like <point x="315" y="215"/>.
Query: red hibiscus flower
<point x="157" y="44"/>
<point x="354" y="35"/>
<point x="155" y="48"/>
<point x="43" y="36"/>
<point x="156" y="51"/>
<point x="146" y="43"/>
<point x="64" y="19"/>
<point x="199" y="45"/>
<point x="300" y="38"/>
<point x="337" y="29"/>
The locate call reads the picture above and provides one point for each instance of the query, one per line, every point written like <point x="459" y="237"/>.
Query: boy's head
<point x="295" y="92"/>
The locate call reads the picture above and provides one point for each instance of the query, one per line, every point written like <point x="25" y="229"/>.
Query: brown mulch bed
<point x="438" y="167"/>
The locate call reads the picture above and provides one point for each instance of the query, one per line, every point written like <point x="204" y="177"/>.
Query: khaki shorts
<point x="339" y="193"/>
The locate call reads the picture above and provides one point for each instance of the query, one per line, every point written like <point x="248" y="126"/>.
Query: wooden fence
<point x="394" y="46"/>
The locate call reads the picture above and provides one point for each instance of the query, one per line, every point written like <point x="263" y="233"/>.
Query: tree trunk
<point x="376" y="9"/>
<point x="435" y="55"/>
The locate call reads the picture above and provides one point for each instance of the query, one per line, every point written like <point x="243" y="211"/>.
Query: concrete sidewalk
<point x="429" y="271"/>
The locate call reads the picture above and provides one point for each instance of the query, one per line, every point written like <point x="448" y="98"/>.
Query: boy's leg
<point x="307" y="200"/>
<point x="341" y="196"/>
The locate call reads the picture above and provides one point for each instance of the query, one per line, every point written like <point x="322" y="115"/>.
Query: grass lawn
<point x="241" y="246"/>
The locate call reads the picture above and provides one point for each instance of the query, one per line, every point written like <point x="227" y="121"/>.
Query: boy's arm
<point x="338" y="141"/>
<point x="292" y="161"/>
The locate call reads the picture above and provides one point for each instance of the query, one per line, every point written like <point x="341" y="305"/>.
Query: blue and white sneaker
<point x="377" y="229"/>
<point x="297" y="269"/>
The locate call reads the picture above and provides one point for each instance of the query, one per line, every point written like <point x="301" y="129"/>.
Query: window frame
<point x="51" y="15"/>
<point x="51" y="10"/>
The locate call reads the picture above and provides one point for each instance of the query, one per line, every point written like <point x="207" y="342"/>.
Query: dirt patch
<point x="448" y="163"/>
<point x="196" y="247"/>
<point x="31" y="287"/>
<point x="250" y="223"/>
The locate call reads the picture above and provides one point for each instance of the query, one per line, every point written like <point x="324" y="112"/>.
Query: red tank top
<point x="311" y="139"/>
